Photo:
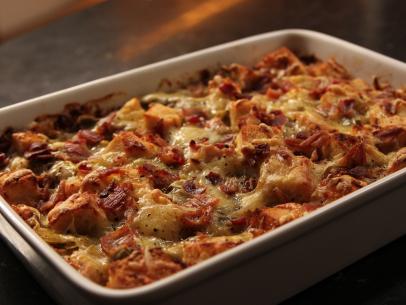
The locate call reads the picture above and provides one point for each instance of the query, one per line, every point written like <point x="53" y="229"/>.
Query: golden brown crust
<point x="204" y="247"/>
<point x="131" y="195"/>
<point x="141" y="267"/>
<point x="21" y="186"/>
<point x="78" y="214"/>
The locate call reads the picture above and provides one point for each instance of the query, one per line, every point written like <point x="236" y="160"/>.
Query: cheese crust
<point x="132" y="195"/>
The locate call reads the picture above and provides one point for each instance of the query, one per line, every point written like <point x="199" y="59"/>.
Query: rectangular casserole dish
<point x="267" y="269"/>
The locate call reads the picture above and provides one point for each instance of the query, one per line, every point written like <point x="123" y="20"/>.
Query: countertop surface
<point x="118" y="35"/>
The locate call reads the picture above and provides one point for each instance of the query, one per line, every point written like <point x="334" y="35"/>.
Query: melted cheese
<point x="200" y="170"/>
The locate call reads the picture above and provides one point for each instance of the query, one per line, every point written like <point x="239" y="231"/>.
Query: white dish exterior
<point x="266" y="270"/>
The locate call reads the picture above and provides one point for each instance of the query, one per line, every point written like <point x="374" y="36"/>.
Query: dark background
<point x="118" y="35"/>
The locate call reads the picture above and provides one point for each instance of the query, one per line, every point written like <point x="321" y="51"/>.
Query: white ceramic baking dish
<point x="266" y="270"/>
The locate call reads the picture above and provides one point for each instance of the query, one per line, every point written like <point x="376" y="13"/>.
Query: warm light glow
<point x="187" y="20"/>
<point x="81" y="5"/>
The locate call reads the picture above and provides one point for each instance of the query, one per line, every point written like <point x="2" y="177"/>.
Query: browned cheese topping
<point x="132" y="195"/>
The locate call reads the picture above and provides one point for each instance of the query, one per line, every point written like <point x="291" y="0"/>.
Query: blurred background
<point x="20" y="16"/>
<point x="48" y="45"/>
